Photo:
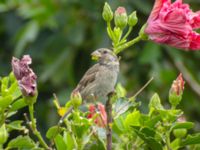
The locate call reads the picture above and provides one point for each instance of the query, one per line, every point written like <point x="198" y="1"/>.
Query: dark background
<point x="60" y="35"/>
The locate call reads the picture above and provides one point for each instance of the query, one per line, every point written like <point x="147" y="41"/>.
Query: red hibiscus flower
<point x="101" y="119"/>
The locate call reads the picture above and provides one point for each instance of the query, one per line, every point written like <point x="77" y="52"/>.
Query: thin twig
<point x="56" y="99"/>
<point x="144" y="86"/>
<point x="136" y="94"/>
<point x="27" y="121"/>
<point x="109" y="122"/>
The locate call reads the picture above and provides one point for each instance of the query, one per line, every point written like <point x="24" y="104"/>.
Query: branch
<point x="109" y="121"/>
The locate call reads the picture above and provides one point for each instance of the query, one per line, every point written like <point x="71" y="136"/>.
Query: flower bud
<point x="179" y="133"/>
<point x="121" y="18"/>
<point x="3" y="134"/>
<point x="76" y="99"/>
<point x="107" y="13"/>
<point x="132" y="19"/>
<point x="181" y="119"/>
<point x="176" y="91"/>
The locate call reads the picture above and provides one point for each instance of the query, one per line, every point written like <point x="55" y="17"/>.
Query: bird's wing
<point x="88" y="77"/>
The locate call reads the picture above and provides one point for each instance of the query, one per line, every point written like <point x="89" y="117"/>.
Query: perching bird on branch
<point x="101" y="78"/>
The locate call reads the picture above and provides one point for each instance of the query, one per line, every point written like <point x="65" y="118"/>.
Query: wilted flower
<point x="173" y="24"/>
<point x="100" y="120"/>
<point x="25" y="75"/>
<point x="121" y="18"/>
<point x="176" y="91"/>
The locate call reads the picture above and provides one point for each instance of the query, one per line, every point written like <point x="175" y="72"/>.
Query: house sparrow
<point x="101" y="78"/>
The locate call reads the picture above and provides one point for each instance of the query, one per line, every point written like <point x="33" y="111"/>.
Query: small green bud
<point x="121" y="18"/>
<point x="179" y="133"/>
<point x="107" y="13"/>
<point x="76" y="99"/>
<point x="3" y="134"/>
<point x="155" y="102"/>
<point x="176" y="91"/>
<point x="132" y="19"/>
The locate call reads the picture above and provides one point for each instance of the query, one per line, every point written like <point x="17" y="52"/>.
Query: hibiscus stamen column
<point x="27" y="83"/>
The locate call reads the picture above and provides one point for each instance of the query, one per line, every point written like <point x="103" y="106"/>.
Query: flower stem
<point x="68" y="124"/>
<point x="168" y="141"/>
<point x="127" y="34"/>
<point x="34" y="128"/>
<point x="126" y="45"/>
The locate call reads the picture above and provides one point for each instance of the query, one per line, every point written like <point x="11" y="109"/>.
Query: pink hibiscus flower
<point x="173" y="23"/>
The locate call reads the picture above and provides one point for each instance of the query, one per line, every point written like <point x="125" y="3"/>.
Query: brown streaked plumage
<point x="101" y="78"/>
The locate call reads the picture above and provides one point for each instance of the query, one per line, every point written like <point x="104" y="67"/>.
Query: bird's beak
<point x="96" y="55"/>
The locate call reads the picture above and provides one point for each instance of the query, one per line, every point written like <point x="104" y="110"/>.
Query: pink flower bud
<point x="178" y="85"/>
<point x="176" y="91"/>
<point x="120" y="11"/>
<point x="121" y="17"/>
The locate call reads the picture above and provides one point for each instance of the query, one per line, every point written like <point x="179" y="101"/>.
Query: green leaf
<point x="153" y="121"/>
<point x="120" y="90"/>
<point x="4" y="85"/>
<point x="146" y="136"/>
<point x="95" y="144"/>
<point x="170" y="115"/>
<point x="81" y="125"/>
<point x="118" y="125"/>
<point x="180" y="125"/>
<point x="22" y="142"/>
<point x="175" y="145"/>
<point x="68" y="140"/>
<point x="191" y="139"/>
<point x="122" y="105"/>
<point x="60" y="143"/>
<point x="132" y="119"/>
<point x="15" y="125"/>
<point x="148" y="132"/>
<point x="53" y="131"/>
<point x="20" y="103"/>
<point x="14" y="90"/>
<point x="155" y="102"/>
<point x="5" y="101"/>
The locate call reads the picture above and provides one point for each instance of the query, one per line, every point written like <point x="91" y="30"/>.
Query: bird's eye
<point x="105" y="52"/>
